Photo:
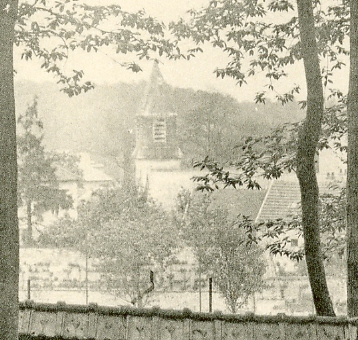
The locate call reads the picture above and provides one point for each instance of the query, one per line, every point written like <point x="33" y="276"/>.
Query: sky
<point x="198" y="73"/>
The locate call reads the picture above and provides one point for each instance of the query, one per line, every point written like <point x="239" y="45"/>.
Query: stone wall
<point x="61" y="321"/>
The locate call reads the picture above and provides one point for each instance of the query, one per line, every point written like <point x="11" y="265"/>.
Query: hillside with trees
<point x="102" y="120"/>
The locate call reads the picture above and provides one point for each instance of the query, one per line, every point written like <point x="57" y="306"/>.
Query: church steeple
<point x="153" y="98"/>
<point x="156" y="133"/>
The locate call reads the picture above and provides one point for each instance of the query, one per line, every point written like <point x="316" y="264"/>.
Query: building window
<point x="159" y="131"/>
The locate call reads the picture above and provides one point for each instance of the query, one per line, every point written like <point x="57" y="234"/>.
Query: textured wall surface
<point x="61" y="321"/>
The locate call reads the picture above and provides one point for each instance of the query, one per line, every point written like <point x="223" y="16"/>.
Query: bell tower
<point x="156" y="146"/>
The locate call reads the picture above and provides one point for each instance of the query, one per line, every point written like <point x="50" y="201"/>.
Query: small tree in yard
<point x="222" y="248"/>
<point x="126" y="231"/>
<point x="236" y="265"/>
<point x="237" y="272"/>
<point x="38" y="187"/>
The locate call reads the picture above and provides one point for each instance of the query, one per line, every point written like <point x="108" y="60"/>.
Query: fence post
<point x="210" y="294"/>
<point x="199" y="285"/>
<point x="351" y="329"/>
<point x="28" y="289"/>
<point x="86" y="269"/>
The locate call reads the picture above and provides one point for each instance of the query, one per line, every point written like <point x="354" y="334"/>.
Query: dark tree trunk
<point x="307" y="144"/>
<point x="352" y="171"/>
<point x="9" y="237"/>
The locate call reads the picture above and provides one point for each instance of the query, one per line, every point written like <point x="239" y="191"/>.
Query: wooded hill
<point x="102" y="121"/>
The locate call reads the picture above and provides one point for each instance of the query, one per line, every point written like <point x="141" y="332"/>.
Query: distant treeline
<point x="102" y="121"/>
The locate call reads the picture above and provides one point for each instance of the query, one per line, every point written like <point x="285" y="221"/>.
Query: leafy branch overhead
<point x="270" y="156"/>
<point x="254" y="44"/>
<point x="50" y="30"/>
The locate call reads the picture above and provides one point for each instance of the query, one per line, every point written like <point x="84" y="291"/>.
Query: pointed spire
<point x="153" y="102"/>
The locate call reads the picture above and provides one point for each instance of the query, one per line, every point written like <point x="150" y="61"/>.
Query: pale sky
<point x="197" y="73"/>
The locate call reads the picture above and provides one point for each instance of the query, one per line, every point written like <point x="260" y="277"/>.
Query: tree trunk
<point x="9" y="236"/>
<point x="306" y="173"/>
<point x="352" y="171"/>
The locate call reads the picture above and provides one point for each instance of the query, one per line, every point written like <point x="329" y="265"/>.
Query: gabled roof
<point x="65" y="175"/>
<point x="92" y="169"/>
<point x="242" y="201"/>
<point x="164" y="187"/>
<point x="283" y="198"/>
<point x="110" y="165"/>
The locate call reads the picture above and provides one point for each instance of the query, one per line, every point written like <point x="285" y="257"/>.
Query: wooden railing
<point x="61" y="321"/>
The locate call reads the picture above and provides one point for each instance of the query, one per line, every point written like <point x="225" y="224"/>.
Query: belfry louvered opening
<point x="159" y="131"/>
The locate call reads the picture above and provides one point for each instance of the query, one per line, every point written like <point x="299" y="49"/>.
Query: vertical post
<point x="28" y="289"/>
<point x="151" y="277"/>
<point x="199" y="285"/>
<point x="86" y="276"/>
<point x="254" y="302"/>
<point x="210" y="294"/>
